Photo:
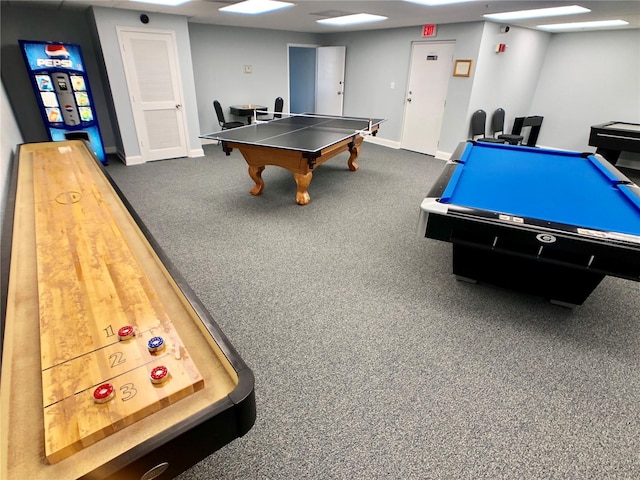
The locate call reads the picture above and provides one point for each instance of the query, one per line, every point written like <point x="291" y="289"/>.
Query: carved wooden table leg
<point x="256" y="175"/>
<point x="303" y="181"/>
<point x="355" y="151"/>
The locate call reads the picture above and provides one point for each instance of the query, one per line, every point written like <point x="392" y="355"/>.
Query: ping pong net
<point x="361" y="125"/>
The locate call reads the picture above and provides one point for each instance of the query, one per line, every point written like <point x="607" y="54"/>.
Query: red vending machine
<point x="61" y="85"/>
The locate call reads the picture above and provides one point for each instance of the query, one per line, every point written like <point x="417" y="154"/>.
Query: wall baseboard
<point x="440" y="155"/>
<point x="133" y="160"/>
<point x="382" y="141"/>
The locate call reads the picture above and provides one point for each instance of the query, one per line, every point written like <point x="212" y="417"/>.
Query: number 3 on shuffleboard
<point x="128" y="391"/>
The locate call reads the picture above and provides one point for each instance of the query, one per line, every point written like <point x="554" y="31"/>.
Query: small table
<point x="552" y="223"/>
<point x="298" y="143"/>
<point x="245" y="110"/>
<point x="613" y="138"/>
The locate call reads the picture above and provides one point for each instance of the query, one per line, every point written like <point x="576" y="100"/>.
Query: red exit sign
<point x="429" y="30"/>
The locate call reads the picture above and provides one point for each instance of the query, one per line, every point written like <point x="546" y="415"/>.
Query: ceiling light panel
<point x="354" y="19"/>
<point x="537" y="13"/>
<point x="254" y="7"/>
<point x="556" y="27"/>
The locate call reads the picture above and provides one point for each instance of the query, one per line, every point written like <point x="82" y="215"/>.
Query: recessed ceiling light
<point x="253" y="7"/>
<point x="352" y="19"/>
<point x="435" y="3"/>
<point x="537" y="13"/>
<point x="583" y="25"/>
<point x="169" y="3"/>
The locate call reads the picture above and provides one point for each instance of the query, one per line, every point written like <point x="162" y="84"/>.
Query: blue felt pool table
<point x="547" y="222"/>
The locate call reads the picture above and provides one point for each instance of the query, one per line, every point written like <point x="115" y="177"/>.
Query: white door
<point x="330" y="80"/>
<point x="150" y="59"/>
<point x="431" y="68"/>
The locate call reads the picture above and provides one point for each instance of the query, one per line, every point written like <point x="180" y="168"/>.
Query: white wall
<point x="509" y="79"/>
<point x="573" y="80"/>
<point x="106" y="21"/>
<point x="377" y="58"/>
<point x="587" y="79"/>
<point x="219" y="56"/>
<point x="9" y="138"/>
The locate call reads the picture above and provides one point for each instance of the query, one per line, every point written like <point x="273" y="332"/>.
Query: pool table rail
<point x="607" y="253"/>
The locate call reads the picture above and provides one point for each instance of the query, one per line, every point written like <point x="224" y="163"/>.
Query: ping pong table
<point x="298" y="143"/>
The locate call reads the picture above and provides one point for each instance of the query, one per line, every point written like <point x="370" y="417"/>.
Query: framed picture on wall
<point x="462" y="68"/>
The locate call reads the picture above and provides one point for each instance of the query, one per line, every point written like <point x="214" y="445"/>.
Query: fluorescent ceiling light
<point x="583" y="25"/>
<point x="537" y="13"/>
<point x="435" y="3"/>
<point x="252" y="7"/>
<point x="169" y="3"/>
<point x="352" y="19"/>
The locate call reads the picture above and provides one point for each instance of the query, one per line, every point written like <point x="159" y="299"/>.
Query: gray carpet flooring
<point x="371" y="360"/>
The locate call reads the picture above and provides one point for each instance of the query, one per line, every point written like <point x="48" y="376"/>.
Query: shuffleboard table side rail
<point x="6" y="240"/>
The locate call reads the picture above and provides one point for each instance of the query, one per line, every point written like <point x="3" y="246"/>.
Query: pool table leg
<point x="302" y="181"/>
<point x="256" y="175"/>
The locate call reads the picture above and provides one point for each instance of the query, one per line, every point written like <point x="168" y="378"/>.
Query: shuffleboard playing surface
<point x="90" y="285"/>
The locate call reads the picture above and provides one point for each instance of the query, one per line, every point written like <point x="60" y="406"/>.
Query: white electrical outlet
<point x="248" y="69"/>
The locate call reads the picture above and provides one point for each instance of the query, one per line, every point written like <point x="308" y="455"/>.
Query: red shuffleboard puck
<point x="104" y="393"/>
<point x="159" y="374"/>
<point x="126" y="332"/>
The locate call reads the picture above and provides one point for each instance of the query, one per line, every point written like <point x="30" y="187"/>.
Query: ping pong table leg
<point x="256" y="175"/>
<point x="302" y="181"/>
<point x="354" y="149"/>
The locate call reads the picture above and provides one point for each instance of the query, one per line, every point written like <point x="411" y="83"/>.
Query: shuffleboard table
<point x="111" y="366"/>
<point x="548" y="222"/>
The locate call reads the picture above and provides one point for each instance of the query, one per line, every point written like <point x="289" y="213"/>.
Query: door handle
<point x="409" y="100"/>
<point x="178" y="106"/>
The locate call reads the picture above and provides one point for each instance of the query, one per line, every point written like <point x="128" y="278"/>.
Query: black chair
<point x="535" y="122"/>
<point x="478" y="125"/>
<point x="277" y="109"/>
<point x="221" y="120"/>
<point x="497" y="125"/>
